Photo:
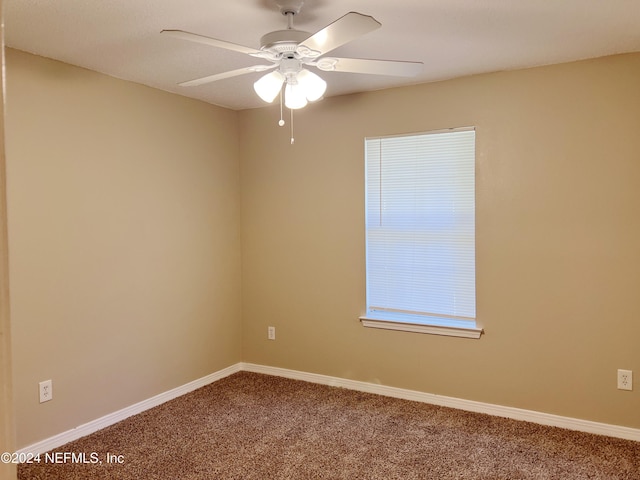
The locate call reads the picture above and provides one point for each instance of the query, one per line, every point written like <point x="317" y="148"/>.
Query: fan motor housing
<point x="283" y="41"/>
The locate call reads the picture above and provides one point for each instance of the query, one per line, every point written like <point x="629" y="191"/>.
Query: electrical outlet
<point x="625" y="380"/>
<point x="46" y="391"/>
<point x="271" y="333"/>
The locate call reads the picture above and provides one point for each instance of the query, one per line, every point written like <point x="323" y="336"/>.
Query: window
<point x="420" y="233"/>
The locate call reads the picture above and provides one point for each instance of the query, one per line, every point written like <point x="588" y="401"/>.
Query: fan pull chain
<point x="281" y="122"/>
<point x="292" y="139"/>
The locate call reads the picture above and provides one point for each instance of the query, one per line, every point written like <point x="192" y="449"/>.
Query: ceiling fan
<point x="290" y="51"/>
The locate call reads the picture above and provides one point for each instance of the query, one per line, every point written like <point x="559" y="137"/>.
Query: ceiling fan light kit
<point x="291" y="50"/>
<point x="294" y="97"/>
<point x="268" y="87"/>
<point x="313" y="85"/>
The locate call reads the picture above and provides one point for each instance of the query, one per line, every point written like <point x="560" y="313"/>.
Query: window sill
<point x="451" y="328"/>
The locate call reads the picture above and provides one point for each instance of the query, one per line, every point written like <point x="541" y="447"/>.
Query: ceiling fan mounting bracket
<point x="289" y="6"/>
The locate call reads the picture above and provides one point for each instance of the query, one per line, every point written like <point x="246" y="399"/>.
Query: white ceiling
<point x="453" y="38"/>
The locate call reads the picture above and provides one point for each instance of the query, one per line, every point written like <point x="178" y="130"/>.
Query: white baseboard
<point x="115" y="417"/>
<point x="461" y="404"/>
<point x="468" y="405"/>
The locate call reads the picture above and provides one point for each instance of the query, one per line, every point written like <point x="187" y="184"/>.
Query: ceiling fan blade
<point x="374" y="67"/>
<point x="346" y="28"/>
<point x="229" y="74"/>
<point x="214" y="42"/>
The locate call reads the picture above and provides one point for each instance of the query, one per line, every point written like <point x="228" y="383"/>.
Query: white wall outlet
<point x="625" y="380"/>
<point x="271" y="333"/>
<point x="46" y="391"/>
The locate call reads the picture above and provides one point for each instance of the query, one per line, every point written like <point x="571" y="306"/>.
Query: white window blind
<point x="420" y="226"/>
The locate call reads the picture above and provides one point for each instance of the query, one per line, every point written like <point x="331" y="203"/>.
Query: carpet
<point x="253" y="426"/>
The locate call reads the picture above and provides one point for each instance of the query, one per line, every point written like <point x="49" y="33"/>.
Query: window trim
<point x="433" y="326"/>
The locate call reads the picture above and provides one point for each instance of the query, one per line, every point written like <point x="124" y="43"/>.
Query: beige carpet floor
<point x="251" y="426"/>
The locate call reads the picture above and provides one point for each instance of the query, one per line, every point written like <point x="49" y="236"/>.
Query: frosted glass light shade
<point x="312" y="85"/>
<point x="294" y="96"/>
<point x="268" y="86"/>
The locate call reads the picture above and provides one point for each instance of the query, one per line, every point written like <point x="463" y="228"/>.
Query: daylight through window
<point x="420" y="228"/>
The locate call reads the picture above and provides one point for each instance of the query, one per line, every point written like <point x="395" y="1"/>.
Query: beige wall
<point x="7" y="433"/>
<point x="558" y="239"/>
<point x="124" y="242"/>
